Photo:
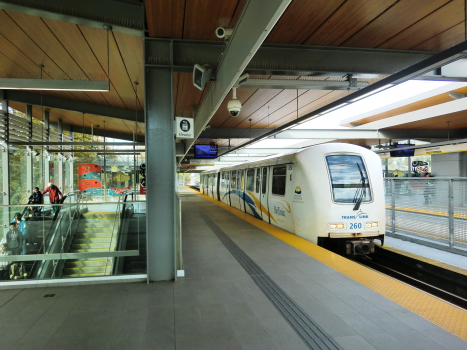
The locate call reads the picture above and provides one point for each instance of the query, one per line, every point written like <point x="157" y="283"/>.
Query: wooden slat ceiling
<point x="428" y="102"/>
<point x="71" y="51"/>
<point x="432" y="25"/>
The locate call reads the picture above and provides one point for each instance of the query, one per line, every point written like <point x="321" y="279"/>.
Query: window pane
<point x="349" y="179"/>
<point x="250" y="180"/>
<point x="278" y="180"/>
<point x="265" y="175"/>
<point x="240" y="178"/>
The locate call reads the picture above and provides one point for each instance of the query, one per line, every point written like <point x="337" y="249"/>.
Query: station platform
<point x="248" y="286"/>
<point x="434" y="254"/>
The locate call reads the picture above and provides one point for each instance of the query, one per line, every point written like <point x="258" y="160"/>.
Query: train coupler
<point x="359" y="247"/>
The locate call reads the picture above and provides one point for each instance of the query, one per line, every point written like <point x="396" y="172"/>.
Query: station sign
<point x="460" y="147"/>
<point x="184" y="128"/>
<point x="201" y="162"/>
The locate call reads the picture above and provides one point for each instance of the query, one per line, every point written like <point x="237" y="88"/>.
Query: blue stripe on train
<point x="248" y="200"/>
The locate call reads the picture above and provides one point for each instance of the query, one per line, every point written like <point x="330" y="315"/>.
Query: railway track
<point x="445" y="284"/>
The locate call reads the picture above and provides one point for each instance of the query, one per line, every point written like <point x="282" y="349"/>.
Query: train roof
<point x="286" y="158"/>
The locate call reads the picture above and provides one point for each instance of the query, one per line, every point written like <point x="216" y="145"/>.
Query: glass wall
<point x="89" y="223"/>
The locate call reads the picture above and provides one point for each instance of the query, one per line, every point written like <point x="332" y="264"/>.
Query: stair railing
<point x="69" y="231"/>
<point x="121" y="200"/>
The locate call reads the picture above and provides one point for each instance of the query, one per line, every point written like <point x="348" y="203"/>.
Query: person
<point x="36" y="198"/>
<point x="21" y="226"/>
<point x="4" y="265"/>
<point x="53" y="192"/>
<point x="17" y="271"/>
<point x="427" y="191"/>
<point x="14" y="239"/>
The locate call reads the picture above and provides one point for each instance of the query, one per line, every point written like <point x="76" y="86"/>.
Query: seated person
<point x="17" y="271"/>
<point x="4" y="265"/>
<point x="14" y="240"/>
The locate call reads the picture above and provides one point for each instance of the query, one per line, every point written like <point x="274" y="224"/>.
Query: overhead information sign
<point x="461" y="147"/>
<point x="201" y="162"/>
<point x="184" y="128"/>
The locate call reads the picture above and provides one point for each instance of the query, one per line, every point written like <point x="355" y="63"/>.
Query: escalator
<point x="42" y="234"/>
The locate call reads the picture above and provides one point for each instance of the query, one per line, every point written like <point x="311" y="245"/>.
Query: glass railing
<point x="73" y="239"/>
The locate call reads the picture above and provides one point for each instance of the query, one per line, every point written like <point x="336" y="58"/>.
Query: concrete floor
<point x="217" y="305"/>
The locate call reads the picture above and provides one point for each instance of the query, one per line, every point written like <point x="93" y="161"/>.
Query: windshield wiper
<point x="361" y="192"/>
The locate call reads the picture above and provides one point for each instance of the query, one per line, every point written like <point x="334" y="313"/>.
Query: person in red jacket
<point x="53" y="192"/>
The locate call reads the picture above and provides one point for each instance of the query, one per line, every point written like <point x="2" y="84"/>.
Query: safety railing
<point x="117" y="220"/>
<point x="430" y="211"/>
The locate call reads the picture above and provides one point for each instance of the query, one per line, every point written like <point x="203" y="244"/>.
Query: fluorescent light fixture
<point x="372" y="92"/>
<point x="307" y="119"/>
<point x="334" y="108"/>
<point x="49" y="84"/>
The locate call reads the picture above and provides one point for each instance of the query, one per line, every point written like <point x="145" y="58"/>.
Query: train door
<point x="249" y="194"/>
<point x="234" y="186"/>
<point x="281" y="197"/>
<point x="218" y="184"/>
<point x="226" y="197"/>
<point x="241" y="191"/>
<point x="264" y="193"/>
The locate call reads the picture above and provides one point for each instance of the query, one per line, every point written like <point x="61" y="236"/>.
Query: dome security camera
<point x="234" y="106"/>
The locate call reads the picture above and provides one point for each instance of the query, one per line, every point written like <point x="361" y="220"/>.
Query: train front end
<point x="357" y="215"/>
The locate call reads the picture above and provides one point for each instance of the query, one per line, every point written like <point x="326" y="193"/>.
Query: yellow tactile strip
<point x="444" y="315"/>
<point x="431" y="212"/>
<point x="424" y="259"/>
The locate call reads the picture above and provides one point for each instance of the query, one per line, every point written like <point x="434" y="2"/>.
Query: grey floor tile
<point x="360" y="323"/>
<point x="385" y="341"/>
<point x="445" y="339"/>
<point x="354" y="342"/>
<point x="333" y="325"/>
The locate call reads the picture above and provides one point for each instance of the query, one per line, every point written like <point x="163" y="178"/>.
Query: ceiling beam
<point x="53" y="84"/>
<point x="450" y="55"/>
<point x="265" y="151"/>
<point x="123" y="16"/>
<point x="71" y="105"/>
<point x="358" y="133"/>
<point x="292" y="60"/>
<point x="229" y="133"/>
<point x="257" y="19"/>
<point x="302" y="84"/>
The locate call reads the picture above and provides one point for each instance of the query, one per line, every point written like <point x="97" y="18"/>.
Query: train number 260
<point x="354" y="226"/>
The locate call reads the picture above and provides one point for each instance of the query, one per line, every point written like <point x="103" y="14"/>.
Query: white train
<point x="330" y="194"/>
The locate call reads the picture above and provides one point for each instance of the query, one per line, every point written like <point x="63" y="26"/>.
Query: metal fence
<point x="430" y="211"/>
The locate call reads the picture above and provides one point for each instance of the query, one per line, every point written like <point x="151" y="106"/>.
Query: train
<point x="329" y="194"/>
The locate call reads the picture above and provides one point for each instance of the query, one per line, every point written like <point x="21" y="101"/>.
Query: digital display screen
<point x="205" y="151"/>
<point x="403" y="152"/>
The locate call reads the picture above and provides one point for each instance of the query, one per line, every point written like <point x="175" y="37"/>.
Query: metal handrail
<point x="64" y="238"/>
<point x="124" y="193"/>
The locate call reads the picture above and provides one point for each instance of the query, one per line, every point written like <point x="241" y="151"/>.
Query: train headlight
<point x="372" y="224"/>
<point x="336" y="226"/>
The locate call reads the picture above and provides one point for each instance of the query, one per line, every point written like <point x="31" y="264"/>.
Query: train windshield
<point x="349" y="179"/>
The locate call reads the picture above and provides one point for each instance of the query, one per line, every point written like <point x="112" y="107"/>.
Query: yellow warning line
<point x="444" y="315"/>
<point x="431" y="212"/>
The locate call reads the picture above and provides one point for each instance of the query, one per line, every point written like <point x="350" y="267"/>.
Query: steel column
<point x="451" y="214"/>
<point x="5" y="170"/>
<point x="160" y="174"/>
<point x="29" y="153"/>
<point x="45" y="153"/>
<point x="393" y="206"/>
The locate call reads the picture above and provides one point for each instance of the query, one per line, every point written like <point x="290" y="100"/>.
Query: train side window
<point x="258" y="180"/>
<point x="240" y="180"/>
<point x="250" y="180"/>
<point x="264" y="182"/>
<point x="227" y="180"/>
<point x="279" y="175"/>
<point x="222" y="180"/>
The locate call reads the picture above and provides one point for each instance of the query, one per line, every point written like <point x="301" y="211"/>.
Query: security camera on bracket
<point x="201" y="75"/>
<point x="224" y="32"/>
<point x="234" y="106"/>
